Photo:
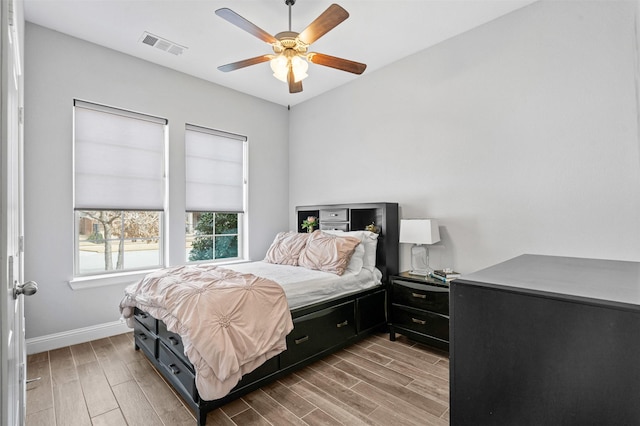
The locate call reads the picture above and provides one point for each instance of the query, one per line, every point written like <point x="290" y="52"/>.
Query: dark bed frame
<point x="319" y="329"/>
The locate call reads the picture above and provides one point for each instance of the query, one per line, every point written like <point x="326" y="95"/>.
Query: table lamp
<point x="419" y="232"/>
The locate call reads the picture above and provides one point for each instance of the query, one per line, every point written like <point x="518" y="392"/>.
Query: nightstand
<point x="419" y="309"/>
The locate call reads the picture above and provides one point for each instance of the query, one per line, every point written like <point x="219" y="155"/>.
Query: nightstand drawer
<point x="334" y="215"/>
<point x="420" y="296"/>
<point x="423" y="322"/>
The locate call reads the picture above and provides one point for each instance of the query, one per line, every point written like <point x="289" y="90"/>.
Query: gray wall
<point x="58" y="69"/>
<point x="519" y="136"/>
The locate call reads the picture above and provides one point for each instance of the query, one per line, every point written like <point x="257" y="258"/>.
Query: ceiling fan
<point x="291" y="58"/>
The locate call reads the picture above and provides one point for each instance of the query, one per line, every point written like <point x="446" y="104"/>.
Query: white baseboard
<point x="74" y="337"/>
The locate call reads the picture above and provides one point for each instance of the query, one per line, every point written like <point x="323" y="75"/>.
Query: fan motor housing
<point x="289" y="40"/>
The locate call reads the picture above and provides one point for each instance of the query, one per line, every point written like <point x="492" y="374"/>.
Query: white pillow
<point x="369" y="240"/>
<point x="357" y="260"/>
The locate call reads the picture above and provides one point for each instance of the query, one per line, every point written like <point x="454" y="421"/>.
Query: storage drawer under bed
<point x="270" y="366"/>
<point x="145" y="319"/>
<point x="177" y="370"/>
<point x="172" y="340"/>
<point x="319" y="331"/>
<point x="144" y="339"/>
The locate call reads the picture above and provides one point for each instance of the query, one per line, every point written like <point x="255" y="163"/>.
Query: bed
<point x="326" y="311"/>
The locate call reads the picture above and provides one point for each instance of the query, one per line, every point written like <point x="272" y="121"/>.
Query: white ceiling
<point x="377" y="33"/>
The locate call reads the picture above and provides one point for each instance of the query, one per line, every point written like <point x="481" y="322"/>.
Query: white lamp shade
<point x="419" y="231"/>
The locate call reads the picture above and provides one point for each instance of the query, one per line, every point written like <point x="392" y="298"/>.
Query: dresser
<point x="419" y="309"/>
<point x="546" y="340"/>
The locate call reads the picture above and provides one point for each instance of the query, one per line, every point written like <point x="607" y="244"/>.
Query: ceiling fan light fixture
<point x="300" y="67"/>
<point x="280" y="67"/>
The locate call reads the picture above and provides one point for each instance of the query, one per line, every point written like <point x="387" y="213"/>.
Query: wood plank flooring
<point x="375" y="382"/>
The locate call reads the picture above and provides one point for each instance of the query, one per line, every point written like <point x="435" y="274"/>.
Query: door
<point x="12" y="346"/>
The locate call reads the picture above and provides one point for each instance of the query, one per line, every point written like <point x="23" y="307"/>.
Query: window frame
<point x="242" y="236"/>
<point x="79" y="276"/>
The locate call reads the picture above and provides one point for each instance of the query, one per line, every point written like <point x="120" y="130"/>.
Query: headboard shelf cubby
<point x="355" y="217"/>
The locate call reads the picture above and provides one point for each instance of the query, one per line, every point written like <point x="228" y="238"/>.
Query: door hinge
<point x="21" y="244"/>
<point x="21" y="115"/>
<point x="11" y="284"/>
<point x="21" y="373"/>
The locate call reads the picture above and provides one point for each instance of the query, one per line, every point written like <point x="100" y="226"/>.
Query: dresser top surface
<point x="604" y="281"/>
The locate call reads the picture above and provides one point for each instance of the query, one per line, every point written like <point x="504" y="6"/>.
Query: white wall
<point x="58" y="69"/>
<point x="519" y="136"/>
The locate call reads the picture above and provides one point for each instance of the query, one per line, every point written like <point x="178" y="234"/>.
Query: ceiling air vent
<point x="162" y="43"/>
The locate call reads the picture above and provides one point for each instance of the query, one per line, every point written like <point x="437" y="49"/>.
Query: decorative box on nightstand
<point x="419" y="309"/>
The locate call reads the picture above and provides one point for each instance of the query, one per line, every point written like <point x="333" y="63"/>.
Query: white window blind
<point x="214" y="170"/>
<point x="118" y="159"/>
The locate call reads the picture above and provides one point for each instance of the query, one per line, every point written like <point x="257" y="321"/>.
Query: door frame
<point x="12" y="345"/>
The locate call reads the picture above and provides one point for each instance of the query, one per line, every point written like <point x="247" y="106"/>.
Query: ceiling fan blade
<point x="324" y="23"/>
<point x="245" y="63"/>
<point x="293" y="86"/>
<point x="240" y="22"/>
<point x="337" y="63"/>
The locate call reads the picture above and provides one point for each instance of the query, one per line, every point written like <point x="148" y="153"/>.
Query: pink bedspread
<point x="230" y="323"/>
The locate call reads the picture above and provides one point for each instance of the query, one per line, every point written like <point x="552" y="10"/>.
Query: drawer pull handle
<point x="342" y="324"/>
<point x="142" y="336"/>
<point x="173" y="340"/>
<point x="333" y="214"/>
<point x="419" y="296"/>
<point x="418" y="321"/>
<point x="144" y="316"/>
<point x="301" y="340"/>
<point x="174" y="369"/>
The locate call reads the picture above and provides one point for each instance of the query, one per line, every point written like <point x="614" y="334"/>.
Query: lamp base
<point x="420" y="260"/>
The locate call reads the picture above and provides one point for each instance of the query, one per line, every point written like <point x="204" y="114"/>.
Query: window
<point x="215" y="193"/>
<point x="119" y="188"/>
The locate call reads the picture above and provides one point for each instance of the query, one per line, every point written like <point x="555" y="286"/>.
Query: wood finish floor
<point x="375" y="382"/>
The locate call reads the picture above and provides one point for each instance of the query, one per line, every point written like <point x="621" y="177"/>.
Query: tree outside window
<point x="113" y="240"/>
<point x="212" y="236"/>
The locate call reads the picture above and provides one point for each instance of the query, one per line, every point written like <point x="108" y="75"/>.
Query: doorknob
<point x="28" y="288"/>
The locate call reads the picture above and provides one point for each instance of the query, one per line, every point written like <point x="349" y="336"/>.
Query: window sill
<point x="84" y="283"/>
<point x="126" y="278"/>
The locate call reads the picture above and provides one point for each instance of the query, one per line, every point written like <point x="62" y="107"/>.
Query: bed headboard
<point x="355" y="217"/>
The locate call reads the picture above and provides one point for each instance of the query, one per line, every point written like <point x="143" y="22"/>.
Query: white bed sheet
<point x="305" y="286"/>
